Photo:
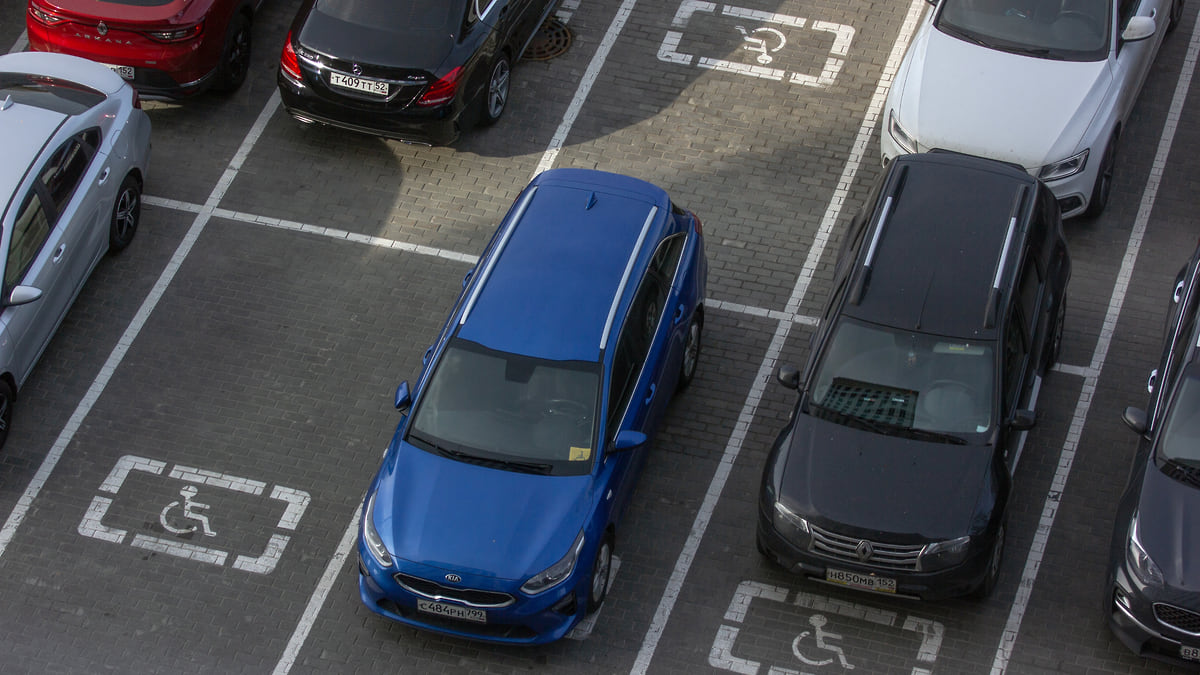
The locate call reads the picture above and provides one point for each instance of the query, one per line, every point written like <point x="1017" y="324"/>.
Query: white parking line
<point x="841" y="195"/>
<point x="20" y="45"/>
<point x="1037" y="549"/>
<point x="9" y="530"/>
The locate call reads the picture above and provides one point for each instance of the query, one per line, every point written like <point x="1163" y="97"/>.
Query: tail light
<point x="176" y="34"/>
<point x="44" y="17"/>
<point x="288" y="63"/>
<point x="441" y="91"/>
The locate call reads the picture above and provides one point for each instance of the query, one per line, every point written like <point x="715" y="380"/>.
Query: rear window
<point x="397" y="17"/>
<point x="48" y="93"/>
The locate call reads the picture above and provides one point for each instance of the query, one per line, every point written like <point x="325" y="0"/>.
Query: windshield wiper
<point x="887" y="428"/>
<point x="928" y="435"/>
<point x="1182" y="471"/>
<point x="494" y="462"/>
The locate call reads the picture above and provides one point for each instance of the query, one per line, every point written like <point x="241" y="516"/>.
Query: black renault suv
<point x="1153" y="592"/>
<point x="894" y="471"/>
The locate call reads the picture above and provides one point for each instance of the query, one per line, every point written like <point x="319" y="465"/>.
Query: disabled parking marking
<point x="816" y="639"/>
<point x="764" y="41"/>
<point x="190" y="512"/>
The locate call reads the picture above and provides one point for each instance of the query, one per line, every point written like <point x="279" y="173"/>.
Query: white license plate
<point x="1189" y="653"/>
<point x="452" y="611"/>
<point x="126" y="72"/>
<point x="358" y="84"/>
<point x="866" y="582"/>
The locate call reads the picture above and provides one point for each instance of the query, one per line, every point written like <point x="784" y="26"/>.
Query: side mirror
<point x="403" y="397"/>
<point x="788" y="375"/>
<point x="1135" y="418"/>
<point x="23" y="295"/>
<point x="1022" y="420"/>
<point x="1138" y="28"/>
<point x="628" y="440"/>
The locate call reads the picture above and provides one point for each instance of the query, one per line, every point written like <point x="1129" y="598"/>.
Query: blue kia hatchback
<point x="494" y="514"/>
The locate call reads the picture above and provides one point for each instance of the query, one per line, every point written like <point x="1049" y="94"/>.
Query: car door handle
<point x="103" y="177"/>
<point x="650" y="396"/>
<point x="58" y="255"/>
<point x="679" y="312"/>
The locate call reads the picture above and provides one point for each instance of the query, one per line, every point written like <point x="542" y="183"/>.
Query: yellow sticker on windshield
<point x="580" y="454"/>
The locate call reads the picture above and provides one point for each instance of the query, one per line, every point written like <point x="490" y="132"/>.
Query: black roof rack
<point x="989" y="313"/>
<point x="860" y="286"/>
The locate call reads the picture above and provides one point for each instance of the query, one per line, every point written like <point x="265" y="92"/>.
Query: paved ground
<point x="253" y="335"/>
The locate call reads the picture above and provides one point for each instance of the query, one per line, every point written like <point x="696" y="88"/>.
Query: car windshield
<point x="1179" y="444"/>
<point x="902" y="382"/>
<point x="511" y="411"/>
<point x="1066" y="30"/>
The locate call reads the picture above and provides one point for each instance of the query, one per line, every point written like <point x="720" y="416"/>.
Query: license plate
<point x="1189" y="653"/>
<point x="358" y="84"/>
<point x="126" y="72"/>
<point x="866" y="582"/>
<point x="452" y="611"/>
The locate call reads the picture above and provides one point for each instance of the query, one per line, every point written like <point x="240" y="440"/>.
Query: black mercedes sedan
<point x="420" y="71"/>
<point x="1153" y="591"/>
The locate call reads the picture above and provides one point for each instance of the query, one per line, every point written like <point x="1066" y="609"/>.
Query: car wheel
<point x="495" y="97"/>
<point x="1175" y="15"/>
<point x="1104" y="178"/>
<point x="601" y="571"/>
<point x="1054" y="348"/>
<point x="7" y="397"/>
<point x="691" y="354"/>
<point x="235" y="56"/>
<point x="992" y="575"/>
<point x="127" y="212"/>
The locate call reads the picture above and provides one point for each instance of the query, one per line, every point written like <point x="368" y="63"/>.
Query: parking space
<point x="196" y="521"/>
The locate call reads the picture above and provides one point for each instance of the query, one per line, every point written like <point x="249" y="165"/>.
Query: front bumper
<point x="1133" y="620"/>
<point x="955" y="581"/>
<point x="530" y="620"/>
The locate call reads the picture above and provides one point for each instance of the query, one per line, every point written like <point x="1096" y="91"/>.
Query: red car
<point x="164" y="48"/>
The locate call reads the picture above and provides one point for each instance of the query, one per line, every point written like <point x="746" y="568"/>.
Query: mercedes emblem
<point x="356" y="69"/>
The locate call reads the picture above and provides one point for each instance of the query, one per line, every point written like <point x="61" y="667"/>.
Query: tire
<point x="601" y="571"/>
<point x="992" y="575"/>
<point x="127" y="213"/>
<point x="1054" y="347"/>
<point x="235" y="55"/>
<point x="1104" y="178"/>
<point x="495" y="96"/>
<point x="7" y="400"/>
<point x="1175" y="15"/>
<point x="691" y="353"/>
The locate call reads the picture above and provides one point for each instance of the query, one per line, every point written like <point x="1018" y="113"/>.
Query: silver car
<point x="75" y="145"/>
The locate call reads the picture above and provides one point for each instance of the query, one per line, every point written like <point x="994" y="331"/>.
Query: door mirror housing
<point x="403" y="397"/>
<point x="628" y="440"/>
<point x="1135" y="418"/>
<point x="23" y="295"/>
<point x="788" y="375"/>
<point x="1022" y="420"/>
<point x="1138" y="28"/>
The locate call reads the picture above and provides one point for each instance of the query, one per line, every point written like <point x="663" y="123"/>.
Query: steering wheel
<point x="949" y="401"/>
<point x="565" y="407"/>
<point x="1092" y="22"/>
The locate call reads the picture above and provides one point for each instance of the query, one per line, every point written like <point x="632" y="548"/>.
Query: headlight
<point x="943" y="554"/>
<point x="556" y="573"/>
<point x="792" y="526"/>
<point x="906" y="142"/>
<point x="1139" y="561"/>
<point x="1067" y="167"/>
<point x="371" y="536"/>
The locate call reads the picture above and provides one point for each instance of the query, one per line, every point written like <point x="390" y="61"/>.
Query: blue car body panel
<point x="462" y="534"/>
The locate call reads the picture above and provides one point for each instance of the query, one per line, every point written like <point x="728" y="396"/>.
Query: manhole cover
<point x="551" y="39"/>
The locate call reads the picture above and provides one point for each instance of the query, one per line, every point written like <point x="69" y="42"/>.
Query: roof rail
<point x="491" y="262"/>
<point x="989" y="310"/>
<point x="637" y="248"/>
<point x="861" y="285"/>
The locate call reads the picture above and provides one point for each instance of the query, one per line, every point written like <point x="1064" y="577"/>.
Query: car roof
<point x="937" y="255"/>
<point x="552" y="288"/>
<point x="24" y="131"/>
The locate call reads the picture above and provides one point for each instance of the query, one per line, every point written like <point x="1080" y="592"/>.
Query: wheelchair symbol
<point x="190" y="509"/>
<point x="760" y="44"/>
<point x="820" y="636"/>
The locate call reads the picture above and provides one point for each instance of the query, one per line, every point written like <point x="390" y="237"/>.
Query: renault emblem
<point x="356" y="69"/>
<point x="452" y="578"/>
<point x="864" y="550"/>
<point x="102" y="28"/>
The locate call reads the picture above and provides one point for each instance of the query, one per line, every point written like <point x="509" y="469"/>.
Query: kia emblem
<point x="452" y="578"/>
<point x="102" y="28"/>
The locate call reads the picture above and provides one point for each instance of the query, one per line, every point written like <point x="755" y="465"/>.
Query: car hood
<point x="167" y="12"/>
<point x="345" y="31"/>
<point x="1020" y="109"/>
<point x="860" y="482"/>
<point x="1169" y="527"/>
<point x="438" y="511"/>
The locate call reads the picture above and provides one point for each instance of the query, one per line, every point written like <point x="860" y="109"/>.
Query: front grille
<point x="885" y="556"/>
<point x="468" y="596"/>
<point x="1178" y="618"/>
